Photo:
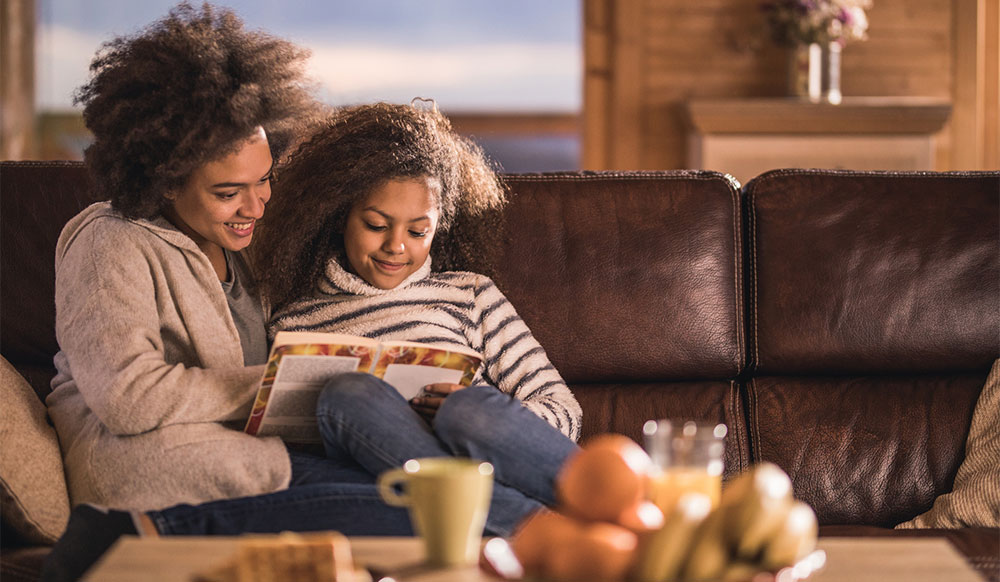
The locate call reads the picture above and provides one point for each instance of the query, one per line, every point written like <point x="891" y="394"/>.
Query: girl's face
<point x="389" y="233"/>
<point x="223" y="199"/>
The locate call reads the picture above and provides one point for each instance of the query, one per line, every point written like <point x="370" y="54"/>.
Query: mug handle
<point x="387" y="482"/>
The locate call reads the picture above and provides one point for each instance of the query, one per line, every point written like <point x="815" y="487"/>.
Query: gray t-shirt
<point x="244" y="304"/>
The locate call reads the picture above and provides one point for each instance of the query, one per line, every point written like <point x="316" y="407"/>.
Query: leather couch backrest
<point x="874" y="319"/>
<point x="36" y="200"/>
<point x="628" y="278"/>
<point x="873" y="273"/>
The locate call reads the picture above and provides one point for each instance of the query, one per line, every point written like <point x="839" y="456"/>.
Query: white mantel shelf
<point x="745" y="137"/>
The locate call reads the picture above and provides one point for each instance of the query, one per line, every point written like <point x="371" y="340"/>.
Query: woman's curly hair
<point x="355" y="151"/>
<point x="188" y="89"/>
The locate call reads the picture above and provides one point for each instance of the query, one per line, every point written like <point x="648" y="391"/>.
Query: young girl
<point x="386" y="203"/>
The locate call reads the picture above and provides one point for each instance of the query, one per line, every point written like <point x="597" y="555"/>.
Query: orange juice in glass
<point x="687" y="458"/>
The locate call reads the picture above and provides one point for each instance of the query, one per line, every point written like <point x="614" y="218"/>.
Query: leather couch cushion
<point x="33" y="491"/>
<point x="864" y="450"/>
<point x="975" y="498"/>
<point x="874" y="272"/>
<point x="624" y="409"/>
<point x="22" y="564"/>
<point x="631" y="277"/>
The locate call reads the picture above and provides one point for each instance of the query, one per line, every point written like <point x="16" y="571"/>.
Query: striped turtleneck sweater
<point x="445" y="308"/>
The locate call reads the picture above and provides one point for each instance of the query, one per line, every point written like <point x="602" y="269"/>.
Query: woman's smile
<point x="241" y="228"/>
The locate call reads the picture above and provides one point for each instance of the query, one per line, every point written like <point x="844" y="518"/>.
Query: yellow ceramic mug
<point x="448" y="499"/>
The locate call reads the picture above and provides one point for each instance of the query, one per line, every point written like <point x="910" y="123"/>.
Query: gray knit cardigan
<point x="151" y="391"/>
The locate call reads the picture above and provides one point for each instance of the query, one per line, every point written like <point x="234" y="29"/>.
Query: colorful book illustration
<point x="300" y="364"/>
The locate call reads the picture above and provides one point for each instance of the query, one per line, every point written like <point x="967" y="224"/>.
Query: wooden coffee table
<point x="866" y="559"/>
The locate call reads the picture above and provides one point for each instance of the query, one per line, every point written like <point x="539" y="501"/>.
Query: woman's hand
<point x="430" y="399"/>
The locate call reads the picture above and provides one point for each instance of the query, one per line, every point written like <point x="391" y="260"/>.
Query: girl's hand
<point x="427" y="403"/>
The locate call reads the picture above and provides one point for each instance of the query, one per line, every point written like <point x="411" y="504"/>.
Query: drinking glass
<point x="687" y="458"/>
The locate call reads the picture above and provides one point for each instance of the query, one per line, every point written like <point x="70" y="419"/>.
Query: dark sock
<point x="91" y="531"/>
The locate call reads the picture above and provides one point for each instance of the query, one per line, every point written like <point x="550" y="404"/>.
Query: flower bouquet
<point x="803" y="22"/>
<point x="816" y="31"/>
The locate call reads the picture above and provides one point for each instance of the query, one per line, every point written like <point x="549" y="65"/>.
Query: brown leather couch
<point x="840" y="323"/>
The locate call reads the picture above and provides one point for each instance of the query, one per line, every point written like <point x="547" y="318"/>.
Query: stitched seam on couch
<point x="743" y="446"/>
<point x="738" y="276"/>
<point x="752" y="203"/>
<point x="895" y="174"/>
<point x="752" y="415"/>
<point x="637" y="175"/>
<point x="42" y="164"/>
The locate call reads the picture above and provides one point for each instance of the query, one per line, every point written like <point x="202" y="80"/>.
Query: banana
<point x="661" y="553"/>
<point x="740" y="572"/>
<point x="757" y="503"/>
<point x="710" y="551"/>
<point x="794" y="539"/>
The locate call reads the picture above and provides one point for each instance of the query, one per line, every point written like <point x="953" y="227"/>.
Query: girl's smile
<point x="389" y="266"/>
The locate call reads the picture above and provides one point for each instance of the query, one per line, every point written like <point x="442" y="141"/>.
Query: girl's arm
<point x="516" y="363"/>
<point x="112" y="336"/>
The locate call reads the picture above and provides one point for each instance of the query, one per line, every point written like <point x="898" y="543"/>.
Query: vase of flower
<point x="814" y="72"/>
<point x="815" y="32"/>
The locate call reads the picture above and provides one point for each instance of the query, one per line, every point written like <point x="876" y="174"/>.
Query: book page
<point x="409" y="380"/>
<point x="286" y="401"/>
<point x="455" y="348"/>
<point x="291" y="409"/>
<point x="410" y="366"/>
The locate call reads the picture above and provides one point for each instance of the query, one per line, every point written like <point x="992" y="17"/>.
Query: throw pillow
<point x="33" y="494"/>
<point x="975" y="497"/>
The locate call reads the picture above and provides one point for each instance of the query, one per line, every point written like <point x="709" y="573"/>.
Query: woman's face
<point x="389" y="233"/>
<point x="223" y="199"/>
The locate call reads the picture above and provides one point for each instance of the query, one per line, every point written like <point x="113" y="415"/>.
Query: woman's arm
<point x="516" y="363"/>
<point x="123" y="331"/>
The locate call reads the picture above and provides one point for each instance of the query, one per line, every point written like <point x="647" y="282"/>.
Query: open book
<point x="301" y="362"/>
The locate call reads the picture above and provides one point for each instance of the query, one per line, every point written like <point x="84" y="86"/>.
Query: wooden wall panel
<point x="17" y="79"/>
<point x="660" y="53"/>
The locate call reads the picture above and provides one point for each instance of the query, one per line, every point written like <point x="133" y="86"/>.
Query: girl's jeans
<point x="367" y="428"/>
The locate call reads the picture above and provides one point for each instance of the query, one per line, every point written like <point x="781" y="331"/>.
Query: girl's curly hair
<point x="188" y="89"/>
<point x="355" y="151"/>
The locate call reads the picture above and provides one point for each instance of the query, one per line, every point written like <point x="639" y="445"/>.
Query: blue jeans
<point x="367" y="428"/>
<point x="350" y="508"/>
<point x="363" y="420"/>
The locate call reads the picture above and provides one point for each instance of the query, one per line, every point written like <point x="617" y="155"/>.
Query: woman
<point x="158" y="319"/>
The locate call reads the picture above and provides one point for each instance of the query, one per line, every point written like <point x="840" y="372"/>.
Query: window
<point x="508" y="73"/>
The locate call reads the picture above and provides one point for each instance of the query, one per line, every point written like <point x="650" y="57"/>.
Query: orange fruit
<point x="604" y="478"/>
<point x="598" y="551"/>
<point x="643" y="517"/>
<point x="539" y="535"/>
